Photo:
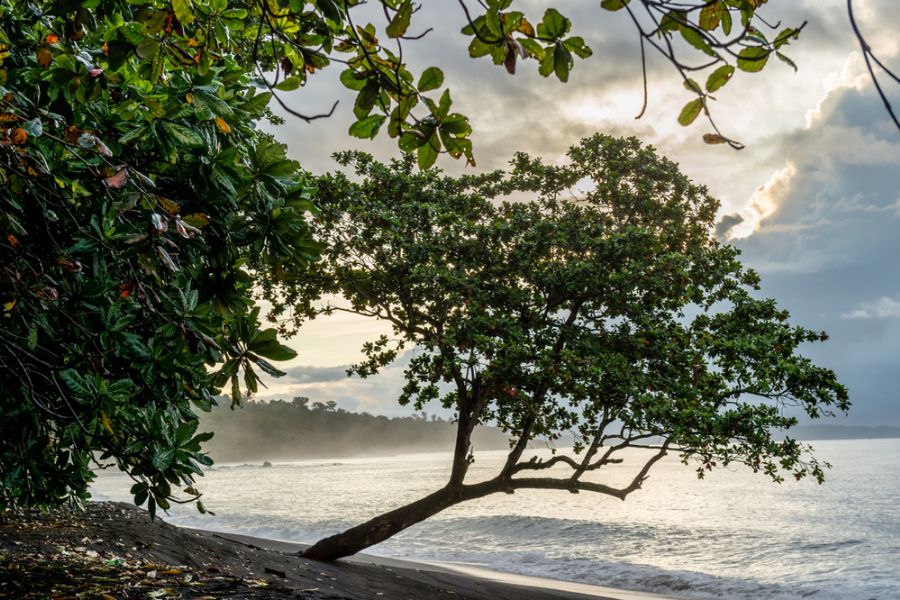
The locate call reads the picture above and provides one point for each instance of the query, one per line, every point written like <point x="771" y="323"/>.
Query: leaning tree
<point x="603" y="307"/>
<point x="141" y="203"/>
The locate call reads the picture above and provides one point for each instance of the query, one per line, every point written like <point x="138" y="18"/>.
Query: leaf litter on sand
<point x="48" y="556"/>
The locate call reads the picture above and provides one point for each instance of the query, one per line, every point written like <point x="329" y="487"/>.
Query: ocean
<point x="733" y="535"/>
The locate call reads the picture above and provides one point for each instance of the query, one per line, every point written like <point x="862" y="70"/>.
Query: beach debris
<point x="275" y="572"/>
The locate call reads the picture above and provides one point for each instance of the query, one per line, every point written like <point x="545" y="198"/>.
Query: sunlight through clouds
<point x="764" y="201"/>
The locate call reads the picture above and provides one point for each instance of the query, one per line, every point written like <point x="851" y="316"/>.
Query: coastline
<point x="467" y="577"/>
<point x="113" y="550"/>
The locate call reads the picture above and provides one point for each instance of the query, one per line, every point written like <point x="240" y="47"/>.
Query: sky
<point x="813" y="201"/>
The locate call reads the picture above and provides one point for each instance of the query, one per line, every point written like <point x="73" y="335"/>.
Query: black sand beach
<point x="113" y="550"/>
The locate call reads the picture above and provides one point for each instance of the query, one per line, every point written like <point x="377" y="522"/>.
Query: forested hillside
<point x="299" y="428"/>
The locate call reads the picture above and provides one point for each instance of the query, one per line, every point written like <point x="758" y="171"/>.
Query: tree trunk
<point x="384" y="526"/>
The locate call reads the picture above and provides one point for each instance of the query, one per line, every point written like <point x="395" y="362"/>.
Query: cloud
<point x="377" y="393"/>
<point x="307" y="374"/>
<point x="817" y="185"/>
<point x="764" y="201"/>
<point x="828" y="243"/>
<point x="727" y="224"/>
<point x="885" y="307"/>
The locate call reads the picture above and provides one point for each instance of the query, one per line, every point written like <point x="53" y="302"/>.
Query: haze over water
<point x="732" y="535"/>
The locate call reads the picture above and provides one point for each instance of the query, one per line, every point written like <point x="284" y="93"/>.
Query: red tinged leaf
<point x="510" y="62"/>
<point x="18" y="136"/>
<point x="44" y="56"/>
<point x="72" y="134"/>
<point x="118" y="180"/>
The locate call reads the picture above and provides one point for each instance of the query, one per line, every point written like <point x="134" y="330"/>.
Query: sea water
<point x="732" y="535"/>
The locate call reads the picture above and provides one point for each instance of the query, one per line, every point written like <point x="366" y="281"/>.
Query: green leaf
<point x="76" y="382"/>
<point x="148" y="48"/>
<point x="329" y="9"/>
<point x="718" y="78"/>
<point x="353" y="80"/>
<point x="162" y="460"/>
<point x="456" y="124"/>
<point x="690" y="112"/>
<point x="562" y="62"/>
<point x="289" y="84"/>
<point x="711" y="15"/>
<point x="366" y="99"/>
<point x="400" y="22"/>
<point x="547" y="63"/>
<point x="554" y="25"/>
<point x="614" y="5"/>
<point x="578" y="47"/>
<point x="267" y="367"/>
<point x="250" y="379"/>
<point x="786" y="60"/>
<point x="443" y="105"/>
<point x="532" y="48"/>
<point x="427" y="154"/>
<point x="182" y="135"/>
<point x="367" y="128"/>
<point x="432" y="78"/>
<point x="726" y="21"/>
<point x="692" y="86"/>
<point x="272" y="349"/>
<point x="235" y="391"/>
<point x="752" y="60"/>
<point x="696" y="39"/>
<point x="409" y="141"/>
<point x="183" y="11"/>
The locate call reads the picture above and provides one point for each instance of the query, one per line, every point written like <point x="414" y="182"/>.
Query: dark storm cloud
<point x="726" y="223"/>
<point x="829" y="252"/>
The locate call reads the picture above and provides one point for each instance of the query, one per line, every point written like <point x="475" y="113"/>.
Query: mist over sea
<point x="733" y="535"/>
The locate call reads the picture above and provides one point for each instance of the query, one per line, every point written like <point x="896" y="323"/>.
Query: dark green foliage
<point x="610" y="312"/>
<point x="139" y="205"/>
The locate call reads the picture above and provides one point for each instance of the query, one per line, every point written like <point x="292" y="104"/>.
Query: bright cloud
<point x="886" y="307"/>
<point x="764" y="202"/>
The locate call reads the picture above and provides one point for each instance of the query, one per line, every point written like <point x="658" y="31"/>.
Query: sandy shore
<point x="468" y="581"/>
<point x="113" y="550"/>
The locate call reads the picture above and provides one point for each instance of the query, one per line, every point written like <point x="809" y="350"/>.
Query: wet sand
<point x="114" y="549"/>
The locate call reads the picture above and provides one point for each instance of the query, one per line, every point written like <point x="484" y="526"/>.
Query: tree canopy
<point x="602" y="307"/>
<point x="141" y="203"/>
